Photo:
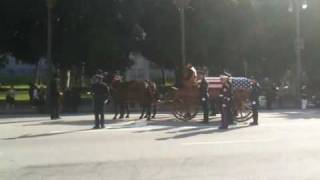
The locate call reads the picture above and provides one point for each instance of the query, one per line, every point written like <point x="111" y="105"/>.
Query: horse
<point x="143" y="93"/>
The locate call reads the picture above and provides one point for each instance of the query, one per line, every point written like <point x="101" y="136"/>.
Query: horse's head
<point x="151" y="88"/>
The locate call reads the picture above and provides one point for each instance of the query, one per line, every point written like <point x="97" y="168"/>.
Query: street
<point x="285" y="145"/>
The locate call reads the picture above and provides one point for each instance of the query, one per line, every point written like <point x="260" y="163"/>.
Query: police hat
<point x="227" y="74"/>
<point x="99" y="71"/>
<point x="99" y="76"/>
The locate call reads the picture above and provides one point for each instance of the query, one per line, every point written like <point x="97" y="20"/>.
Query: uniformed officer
<point x="100" y="92"/>
<point x="254" y="98"/>
<point x="54" y="97"/>
<point x="226" y="99"/>
<point x="204" y="97"/>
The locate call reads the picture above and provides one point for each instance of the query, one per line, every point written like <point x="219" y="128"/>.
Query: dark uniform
<point x="254" y="98"/>
<point x="54" y="98"/>
<point x="204" y="97"/>
<point x="226" y="103"/>
<point x="100" y="93"/>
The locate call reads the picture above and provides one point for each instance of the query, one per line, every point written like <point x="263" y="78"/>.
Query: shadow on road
<point x="199" y="131"/>
<point x="69" y="122"/>
<point x="27" y="136"/>
<point x="170" y="124"/>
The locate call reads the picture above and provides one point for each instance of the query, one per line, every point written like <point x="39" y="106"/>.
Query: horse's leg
<point x="115" y="106"/>
<point x="146" y="107"/>
<point x="142" y="112"/>
<point x="154" y="107"/>
<point x="127" y="110"/>
<point x="149" y="112"/>
<point x="121" y="110"/>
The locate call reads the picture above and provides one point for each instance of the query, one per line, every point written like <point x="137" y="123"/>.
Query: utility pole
<point x="182" y="5"/>
<point x="297" y="6"/>
<point x="50" y="5"/>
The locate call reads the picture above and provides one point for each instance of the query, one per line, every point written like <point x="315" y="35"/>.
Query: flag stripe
<point x="214" y="82"/>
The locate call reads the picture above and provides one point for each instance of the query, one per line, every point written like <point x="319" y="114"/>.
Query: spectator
<point x="31" y="89"/>
<point x="42" y="100"/>
<point x="304" y="97"/>
<point x="10" y="98"/>
<point x="55" y="97"/>
<point x="270" y="95"/>
<point x="76" y="99"/>
<point x="35" y="96"/>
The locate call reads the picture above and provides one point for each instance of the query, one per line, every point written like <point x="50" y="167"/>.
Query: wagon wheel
<point x="244" y="113"/>
<point x="182" y="111"/>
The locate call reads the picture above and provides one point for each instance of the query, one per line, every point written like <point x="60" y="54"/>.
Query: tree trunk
<point x="163" y="76"/>
<point x="178" y="73"/>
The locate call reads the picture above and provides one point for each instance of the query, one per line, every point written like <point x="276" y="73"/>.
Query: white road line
<point x="229" y="142"/>
<point x="54" y="132"/>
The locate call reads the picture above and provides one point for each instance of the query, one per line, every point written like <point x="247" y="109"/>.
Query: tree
<point x="23" y="30"/>
<point x="94" y="33"/>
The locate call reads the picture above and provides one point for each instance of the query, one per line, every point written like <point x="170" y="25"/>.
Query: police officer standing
<point x="254" y="98"/>
<point x="204" y="97"/>
<point x="55" y="97"/>
<point x="100" y="92"/>
<point x="226" y="99"/>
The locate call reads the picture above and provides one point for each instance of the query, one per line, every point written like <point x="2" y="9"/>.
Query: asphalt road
<point x="286" y="145"/>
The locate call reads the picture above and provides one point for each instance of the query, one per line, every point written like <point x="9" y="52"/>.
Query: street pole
<point x="50" y="4"/>
<point x="183" y="36"/>
<point x="298" y="45"/>
<point x="182" y="4"/>
<point x="298" y="6"/>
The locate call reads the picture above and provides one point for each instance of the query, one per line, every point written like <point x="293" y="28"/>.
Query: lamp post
<point x="82" y="74"/>
<point x="297" y="6"/>
<point x="181" y="5"/>
<point x="50" y="5"/>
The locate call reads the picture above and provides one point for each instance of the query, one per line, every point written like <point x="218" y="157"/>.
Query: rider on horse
<point x="190" y="77"/>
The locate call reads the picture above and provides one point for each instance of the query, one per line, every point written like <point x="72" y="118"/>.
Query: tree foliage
<point x="23" y="29"/>
<point x="221" y="34"/>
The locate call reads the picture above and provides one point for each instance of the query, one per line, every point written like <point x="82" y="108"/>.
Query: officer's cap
<point x="99" y="71"/>
<point x="98" y="76"/>
<point x="227" y="74"/>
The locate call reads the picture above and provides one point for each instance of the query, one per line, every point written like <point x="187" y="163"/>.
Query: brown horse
<point x="143" y="93"/>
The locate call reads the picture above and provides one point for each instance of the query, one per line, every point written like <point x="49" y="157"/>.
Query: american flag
<point x="237" y="83"/>
<point x="241" y="83"/>
<point x="214" y="82"/>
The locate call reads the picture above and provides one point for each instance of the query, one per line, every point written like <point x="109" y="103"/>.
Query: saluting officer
<point x="226" y="99"/>
<point x="100" y="92"/>
<point x="204" y="97"/>
<point x="254" y="97"/>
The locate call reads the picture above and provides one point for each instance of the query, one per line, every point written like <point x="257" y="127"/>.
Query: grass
<point x="20" y="96"/>
<point x="22" y="92"/>
<point x="19" y="87"/>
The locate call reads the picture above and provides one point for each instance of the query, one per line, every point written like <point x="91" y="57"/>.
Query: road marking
<point x="229" y="142"/>
<point x="55" y="132"/>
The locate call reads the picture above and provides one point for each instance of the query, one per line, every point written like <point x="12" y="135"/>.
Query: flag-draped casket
<point x="238" y="83"/>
